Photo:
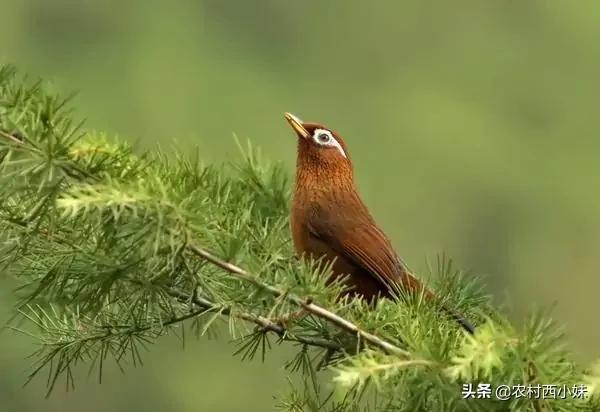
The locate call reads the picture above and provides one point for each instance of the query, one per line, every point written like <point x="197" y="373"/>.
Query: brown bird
<point x="329" y="220"/>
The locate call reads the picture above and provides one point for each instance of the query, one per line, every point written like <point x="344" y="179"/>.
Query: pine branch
<point x="262" y="322"/>
<point x="305" y="303"/>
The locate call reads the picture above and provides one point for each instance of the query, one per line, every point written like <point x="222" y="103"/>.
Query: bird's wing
<point x="365" y="245"/>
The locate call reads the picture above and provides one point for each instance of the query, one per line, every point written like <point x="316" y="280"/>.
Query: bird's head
<point x="321" y="151"/>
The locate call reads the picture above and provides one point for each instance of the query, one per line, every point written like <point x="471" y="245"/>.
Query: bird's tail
<point x="410" y="282"/>
<point x="460" y="318"/>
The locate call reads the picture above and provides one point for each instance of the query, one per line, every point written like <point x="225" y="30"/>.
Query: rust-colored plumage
<point x="329" y="220"/>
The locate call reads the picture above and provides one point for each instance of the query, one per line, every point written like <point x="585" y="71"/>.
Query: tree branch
<point x="261" y="321"/>
<point x="10" y="137"/>
<point x="268" y="324"/>
<point x="306" y="304"/>
<point x="71" y="169"/>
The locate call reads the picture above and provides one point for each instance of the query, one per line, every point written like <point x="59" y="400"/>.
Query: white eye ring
<point x="325" y="138"/>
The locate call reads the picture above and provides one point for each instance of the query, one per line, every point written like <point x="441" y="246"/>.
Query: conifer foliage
<point x="113" y="249"/>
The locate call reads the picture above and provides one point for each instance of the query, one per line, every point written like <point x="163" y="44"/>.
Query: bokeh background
<point x="473" y="127"/>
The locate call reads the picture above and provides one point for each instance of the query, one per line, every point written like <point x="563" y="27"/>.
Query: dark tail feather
<point x="410" y="282"/>
<point x="462" y="321"/>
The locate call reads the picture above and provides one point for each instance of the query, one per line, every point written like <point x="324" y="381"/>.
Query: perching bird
<point x="329" y="220"/>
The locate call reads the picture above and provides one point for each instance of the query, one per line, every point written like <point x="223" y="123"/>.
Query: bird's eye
<point x="324" y="138"/>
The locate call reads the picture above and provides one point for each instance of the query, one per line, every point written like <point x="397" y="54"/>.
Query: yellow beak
<point x="296" y="124"/>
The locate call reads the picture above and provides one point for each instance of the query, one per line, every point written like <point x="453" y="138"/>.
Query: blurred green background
<point x="472" y="126"/>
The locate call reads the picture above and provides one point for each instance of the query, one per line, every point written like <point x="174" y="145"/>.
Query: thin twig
<point x="10" y="137"/>
<point x="261" y="321"/>
<point x="307" y="305"/>
<point x="71" y="168"/>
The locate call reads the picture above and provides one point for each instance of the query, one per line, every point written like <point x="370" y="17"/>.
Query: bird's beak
<point x="297" y="125"/>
